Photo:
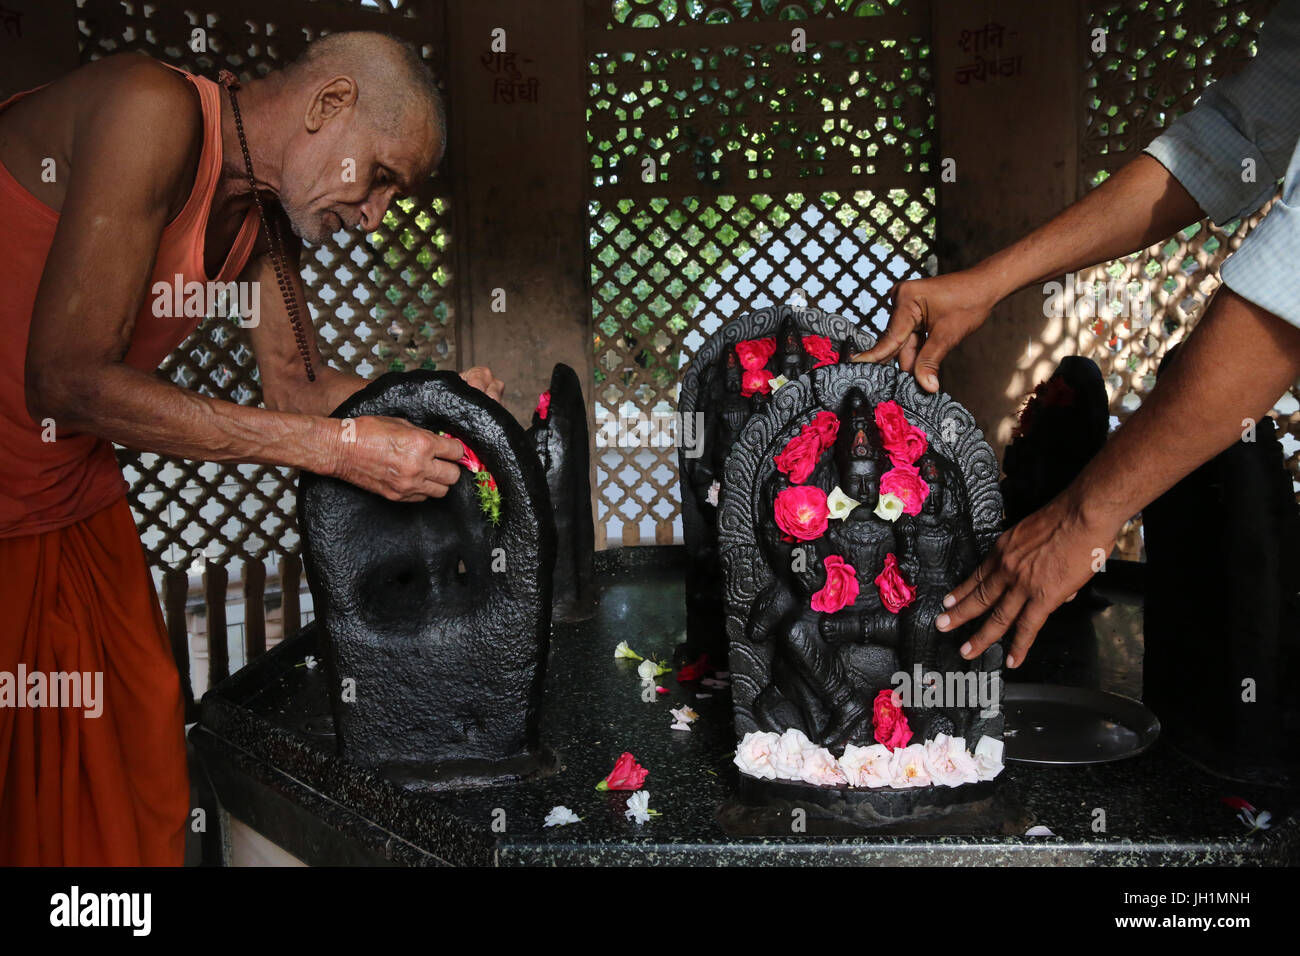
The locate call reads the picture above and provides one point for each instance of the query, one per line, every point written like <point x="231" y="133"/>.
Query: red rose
<point x="801" y="512"/>
<point x="895" y="593"/>
<point x="696" y="670"/>
<point x="903" y="441"/>
<point x="841" y="588"/>
<point x="826" y="425"/>
<point x="906" y="482"/>
<point x="470" y="461"/>
<point x="754" y="353"/>
<point x="754" y="381"/>
<point x="820" y="348"/>
<point x="889" y="720"/>
<point x="800" y="456"/>
<point x="626" y="775"/>
<point x="544" y="404"/>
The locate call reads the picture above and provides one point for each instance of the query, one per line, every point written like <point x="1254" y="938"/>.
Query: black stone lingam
<point x="559" y="433"/>
<point x="1222" y="612"/>
<point x="436" y="621"/>
<point x="817" y="672"/>
<point x="1061" y="428"/>
<point x="713" y="412"/>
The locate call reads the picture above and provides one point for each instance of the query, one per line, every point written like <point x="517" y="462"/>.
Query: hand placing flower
<point x="801" y="513"/>
<point x="626" y="775"/>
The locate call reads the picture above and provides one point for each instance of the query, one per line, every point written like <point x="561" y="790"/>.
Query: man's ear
<point x="332" y="98"/>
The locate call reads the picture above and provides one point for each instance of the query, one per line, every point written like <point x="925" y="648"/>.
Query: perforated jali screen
<point x="380" y="301"/>
<point x="1159" y="57"/>
<point x="734" y="164"/>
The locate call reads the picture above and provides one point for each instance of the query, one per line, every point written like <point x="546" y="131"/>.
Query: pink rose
<point x="820" y="348"/>
<point x="910" y="769"/>
<point x="626" y="775"/>
<point x="895" y="593"/>
<point x="906" y="482"/>
<point x="826" y="425"/>
<point x="799" y="457"/>
<point x="544" y="404"/>
<point x="754" y="381"/>
<point x="754" y="353"/>
<point x="801" y="512"/>
<point x="903" y="441"/>
<point x="841" y="588"/>
<point x="889" y="721"/>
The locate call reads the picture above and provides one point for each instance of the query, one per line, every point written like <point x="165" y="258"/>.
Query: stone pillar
<point x="518" y="119"/>
<point x="1012" y="125"/>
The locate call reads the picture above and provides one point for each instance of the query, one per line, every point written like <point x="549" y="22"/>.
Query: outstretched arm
<point x="1138" y="206"/>
<point x="1233" y="366"/>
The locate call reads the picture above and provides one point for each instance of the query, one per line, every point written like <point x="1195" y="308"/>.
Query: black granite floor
<point x="266" y="739"/>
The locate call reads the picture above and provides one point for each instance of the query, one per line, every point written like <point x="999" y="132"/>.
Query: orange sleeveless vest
<point x="46" y="485"/>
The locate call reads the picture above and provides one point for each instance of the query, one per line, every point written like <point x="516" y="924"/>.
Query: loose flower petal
<point x="561" y="816"/>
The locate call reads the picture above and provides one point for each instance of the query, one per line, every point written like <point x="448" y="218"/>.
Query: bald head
<point x="363" y="122"/>
<point x="394" y="84"/>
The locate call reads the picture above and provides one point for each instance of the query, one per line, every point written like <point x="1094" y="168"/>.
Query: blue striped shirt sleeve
<point x="1253" y="115"/>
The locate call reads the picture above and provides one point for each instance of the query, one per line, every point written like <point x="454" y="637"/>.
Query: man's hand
<point x="1031" y="571"/>
<point x="396" y="459"/>
<point x="480" y="376"/>
<point x="929" y="317"/>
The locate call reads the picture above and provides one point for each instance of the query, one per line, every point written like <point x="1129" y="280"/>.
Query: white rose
<point x="889" y="507"/>
<point x="788" y="755"/>
<point x="988" y="758"/>
<point x="909" y="768"/>
<point x="871" y="766"/>
<point x="948" y="762"/>
<point x="754" y="755"/>
<point x="840" y="504"/>
<point x="820" y="769"/>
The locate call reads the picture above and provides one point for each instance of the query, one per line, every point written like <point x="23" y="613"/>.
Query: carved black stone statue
<point x="436" y="622"/>
<point x="559" y="433"/>
<point x="818" y="672"/>
<point x="713" y="412"/>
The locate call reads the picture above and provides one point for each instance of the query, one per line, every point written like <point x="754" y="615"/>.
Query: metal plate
<point x="1053" y="724"/>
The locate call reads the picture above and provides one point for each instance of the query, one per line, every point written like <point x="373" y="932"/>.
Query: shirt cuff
<point x="1263" y="267"/>
<point x="1204" y="152"/>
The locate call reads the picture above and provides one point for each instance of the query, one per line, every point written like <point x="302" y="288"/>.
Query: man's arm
<point x="1233" y="366"/>
<point x="1138" y="206"/>
<point x="95" y="281"/>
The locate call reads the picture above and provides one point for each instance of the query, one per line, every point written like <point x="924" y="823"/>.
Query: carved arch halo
<point x="949" y="427"/>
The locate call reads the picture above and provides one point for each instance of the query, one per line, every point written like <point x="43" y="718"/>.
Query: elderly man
<point x="1222" y="159"/>
<point x="115" y="180"/>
